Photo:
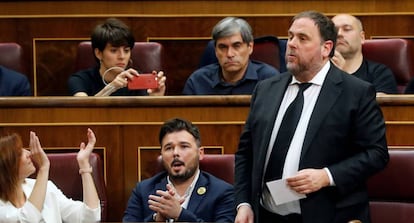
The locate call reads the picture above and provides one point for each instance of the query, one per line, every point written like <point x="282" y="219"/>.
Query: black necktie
<point x="284" y="136"/>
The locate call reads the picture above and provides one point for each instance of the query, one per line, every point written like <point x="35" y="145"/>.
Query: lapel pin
<point x="201" y="190"/>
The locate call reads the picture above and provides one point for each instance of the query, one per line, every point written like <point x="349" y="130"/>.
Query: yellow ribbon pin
<point x="201" y="190"/>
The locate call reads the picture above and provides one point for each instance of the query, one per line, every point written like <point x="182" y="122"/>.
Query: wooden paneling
<point x="193" y="7"/>
<point x="50" y="45"/>
<point x="124" y="126"/>
<point x="128" y="127"/>
<point x="182" y="27"/>
<point x="48" y="31"/>
<point x="54" y="61"/>
<point x="178" y="69"/>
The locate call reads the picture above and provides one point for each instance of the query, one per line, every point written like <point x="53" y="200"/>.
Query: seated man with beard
<point x="183" y="192"/>
<point x="348" y="56"/>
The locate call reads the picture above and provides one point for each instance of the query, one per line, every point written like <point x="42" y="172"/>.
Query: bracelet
<point x="108" y="89"/>
<point x="85" y="170"/>
<point x="107" y="70"/>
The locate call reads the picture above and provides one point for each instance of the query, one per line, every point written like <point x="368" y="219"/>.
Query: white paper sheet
<point x="282" y="193"/>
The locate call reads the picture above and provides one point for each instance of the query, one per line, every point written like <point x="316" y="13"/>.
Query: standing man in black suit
<point x="338" y="143"/>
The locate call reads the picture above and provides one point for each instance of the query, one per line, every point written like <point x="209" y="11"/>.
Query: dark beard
<point x="183" y="177"/>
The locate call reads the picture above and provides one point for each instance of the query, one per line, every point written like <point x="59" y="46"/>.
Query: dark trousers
<point x="265" y="216"/>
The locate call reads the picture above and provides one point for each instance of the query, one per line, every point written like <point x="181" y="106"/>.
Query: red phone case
<point x="143" y="81"/>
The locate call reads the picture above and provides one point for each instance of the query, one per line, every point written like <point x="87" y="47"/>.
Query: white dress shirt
<point x="293" y="156"/>
<point x="188" y="192"/>
<point x="57" y="208"/>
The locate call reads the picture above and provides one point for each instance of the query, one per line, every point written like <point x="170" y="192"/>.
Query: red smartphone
<point x="143" y="81"/>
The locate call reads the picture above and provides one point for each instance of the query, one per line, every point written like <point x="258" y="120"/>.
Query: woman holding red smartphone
<point x="112" y="43"/>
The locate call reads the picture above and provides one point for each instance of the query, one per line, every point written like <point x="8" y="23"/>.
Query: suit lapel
<point x="199" y="193"/>
<point x="162" y="185"/>
<point x="331" y="89"/>
<point x="274" y="99"/>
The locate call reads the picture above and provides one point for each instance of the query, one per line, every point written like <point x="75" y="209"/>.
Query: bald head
<point x="350" y="35"/>
<point x="350" y="19"/>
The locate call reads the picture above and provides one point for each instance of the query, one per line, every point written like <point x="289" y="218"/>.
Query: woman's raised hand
<point x="86" y="150"/>
<point x="38" y="156"/>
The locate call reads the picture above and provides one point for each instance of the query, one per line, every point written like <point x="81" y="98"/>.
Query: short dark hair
<point x="178" y="124"/>
<point x="327" y="29"/>
<point x="114" y="32"/>
<point x="230" y="26"/>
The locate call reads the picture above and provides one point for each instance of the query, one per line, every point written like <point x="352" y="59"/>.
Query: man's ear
<point x="201" y="153"/>
<point x="250" y="46"/>
<point x="327" y="48"/>
<point x="362" y="35"/>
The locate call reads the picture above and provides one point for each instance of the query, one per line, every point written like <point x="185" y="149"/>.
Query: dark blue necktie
<point x="284" y="136"/>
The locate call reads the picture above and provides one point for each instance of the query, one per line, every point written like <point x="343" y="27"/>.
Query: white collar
<point x="318" y="78"/>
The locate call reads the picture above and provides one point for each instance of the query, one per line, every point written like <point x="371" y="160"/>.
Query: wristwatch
<point x="169" y="220"/>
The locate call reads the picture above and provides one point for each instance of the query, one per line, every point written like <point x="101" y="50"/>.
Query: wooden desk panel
<point x="49" y="37"/>
<point x="127" y="127"/>
<point x="124" y="126"/>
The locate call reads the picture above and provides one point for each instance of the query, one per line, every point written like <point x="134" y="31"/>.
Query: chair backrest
<point x="266" y="49"/>
<point x="282" y="46"/>
<point x="64" y="172"/>
<point x="397" y="54"/>
<point x="219" y="165"/>
<point x="145" y="56"/>
<point x="11" y="56"/>
<point x="391" y="191"/>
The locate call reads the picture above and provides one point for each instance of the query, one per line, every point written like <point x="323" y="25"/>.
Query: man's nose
<point x="340" y="32"/>
<point x="230" y="52"/>
<point x="175" y="150"/>
<point x="291" y="42"/>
